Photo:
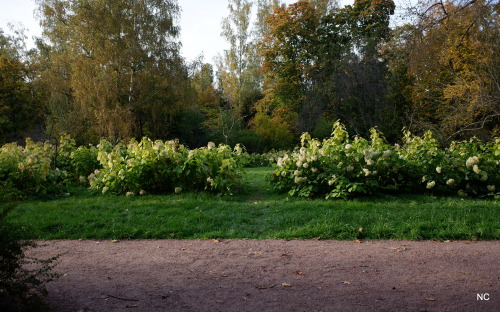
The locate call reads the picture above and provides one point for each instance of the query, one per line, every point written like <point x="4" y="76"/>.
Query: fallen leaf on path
<point x="430" y="299"/>
<point x="358" y="241"/>
<point x="298" y="272"/>
<point x="346" y="282"/>
<point x="286" y="285"/>
<point x="215" y="241"/>
<point x="131" y="306"/>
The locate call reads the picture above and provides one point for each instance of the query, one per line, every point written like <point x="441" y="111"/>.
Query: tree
<point x="20" y="109"/>
<point x="455" y="61"/>
<point x="113" y="67"/>
<point x="289" y="60"/>
<point x="238" y="81"/>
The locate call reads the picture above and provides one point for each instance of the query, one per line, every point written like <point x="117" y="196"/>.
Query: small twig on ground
<point x="121" y="298"/>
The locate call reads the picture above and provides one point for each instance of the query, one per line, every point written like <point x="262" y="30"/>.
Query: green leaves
<point x="162" y="167"/>
<point x="341" y="167"/>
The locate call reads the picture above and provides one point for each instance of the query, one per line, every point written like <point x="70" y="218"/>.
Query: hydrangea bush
<point x="27" y="170"/>
<point x="166" y="167"/>
<point x="342" y="167"/>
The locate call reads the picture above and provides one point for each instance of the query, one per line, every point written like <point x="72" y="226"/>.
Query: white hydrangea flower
<point x="302" y="150"/>
<point x="314" y="170"/>
<point x="330" y="182"/>
<point x="450" y="181"/>
<point x="280" y="162"/>
<point x="128" y="194"/>
<point x="431" y="184"/>
<point x="305" y="165"/>
<point x="366" y="171"/>
<point x="298" y="163"/>
<point x="439" y="169"/>
<point x="424" y="178"/>
<point x="142" y="192"/>
<point x="348" y="146"/>
<point x="491" y="188"/>
<point x="299" y="180"/>
<point x="369" y="162"/>
<point x="211" y="145"/>
<point x="476" y="169"/>
<point x="472" y="161"/>
<point x="105" y="189"/>
<point x="387" y="154"/>
<point x="178" y="190"/>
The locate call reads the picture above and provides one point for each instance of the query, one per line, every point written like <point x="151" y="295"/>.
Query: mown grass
<point x="257" y="213"/>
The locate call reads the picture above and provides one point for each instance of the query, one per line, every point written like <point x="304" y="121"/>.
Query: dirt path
<point x="274" y="275"/>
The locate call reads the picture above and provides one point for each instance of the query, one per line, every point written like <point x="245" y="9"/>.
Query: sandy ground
<point x="273" y="275"/>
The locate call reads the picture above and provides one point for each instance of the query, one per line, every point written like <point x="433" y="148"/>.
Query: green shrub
<point x="27" y="170"/>
<point x="22" y="279"/>
<point x="343" y="167"/>
<point x="165" y="167"/>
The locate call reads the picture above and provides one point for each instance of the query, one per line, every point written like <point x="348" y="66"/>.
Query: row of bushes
<point x="342" y="167"/>
<point x="133" y="168"/>
<point x="337" y="167"/>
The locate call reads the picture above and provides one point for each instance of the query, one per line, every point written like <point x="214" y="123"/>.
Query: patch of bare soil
<point x="273" y="275"/>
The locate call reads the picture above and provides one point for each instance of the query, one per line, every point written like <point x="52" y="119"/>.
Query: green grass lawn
<point x="256" y="213"/>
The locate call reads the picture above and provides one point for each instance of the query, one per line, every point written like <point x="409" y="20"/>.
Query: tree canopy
<point x="113" y="69"/>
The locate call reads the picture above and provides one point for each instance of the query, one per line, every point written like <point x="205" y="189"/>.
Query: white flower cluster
<point x="472" y="161"/>
<point x="299" y="180"/>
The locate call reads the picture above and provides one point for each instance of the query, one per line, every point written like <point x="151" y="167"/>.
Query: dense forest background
<point x="112" y="69"/>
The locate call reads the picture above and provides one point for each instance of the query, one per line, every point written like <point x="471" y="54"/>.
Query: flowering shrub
<point x="342" y="167"/>
<point x="268" y="159"/>
<point x="165" y="167"/>
<point x="27" y="170"/>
